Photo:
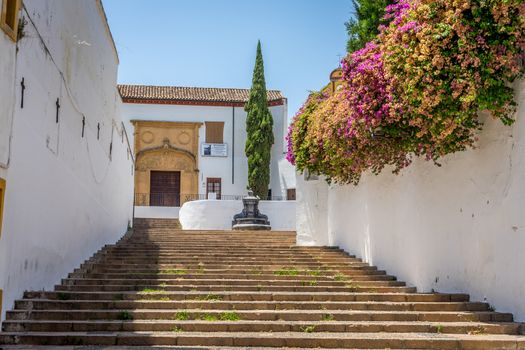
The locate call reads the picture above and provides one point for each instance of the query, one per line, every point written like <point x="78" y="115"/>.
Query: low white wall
<point x="455" y="228"/>
<point x="157" y="212"/>
<point x="312" y="201"/>
<point x="218" y="214"/>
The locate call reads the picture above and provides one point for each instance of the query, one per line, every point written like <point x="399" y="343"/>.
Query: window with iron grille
<point x="213" y="185"/>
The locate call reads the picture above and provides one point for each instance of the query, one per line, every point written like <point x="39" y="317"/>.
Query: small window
<point x="213" y="185"/>
<point x="2" y="195"/>
<point x="9" y="18"/>
<point x="214" y="132"/>
<point x="290" y="194"/>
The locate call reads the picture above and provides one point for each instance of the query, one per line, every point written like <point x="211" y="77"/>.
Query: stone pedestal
<point x="250" y="218"/>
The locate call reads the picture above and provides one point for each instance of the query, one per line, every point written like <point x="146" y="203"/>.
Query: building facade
<point x="189" y="143"/>
<point x="66" y="167"/>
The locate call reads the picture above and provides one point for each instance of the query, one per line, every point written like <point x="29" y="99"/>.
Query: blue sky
<point x="212" y="43"/>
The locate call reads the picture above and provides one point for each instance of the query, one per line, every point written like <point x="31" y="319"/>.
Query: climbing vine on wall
<point x="416" y="90"/>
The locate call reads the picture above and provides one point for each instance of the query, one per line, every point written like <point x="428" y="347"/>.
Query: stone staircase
<point x="160" y="285"/>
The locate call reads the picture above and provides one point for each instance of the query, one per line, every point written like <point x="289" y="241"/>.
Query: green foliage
<point x="182" y="316"/>
<point x="209" y="297"/>
<point x="229" y="316"/>
<point x="340" y="277"/>
<point x="415" y="90"/>
<point x="155" y="298"/>
<point x="124" y="316"/>
<point x="118" y="297"/>
<point x="174" y="272"/>
<point x="63" y="296"/>
<point x="209" y="317"/>
<point x="364" y="27"/>
<point x="151" y="291"/>
<point x="327" y="317"/>
<point x="259" y="128"/>
<point x="286" y="272"/>
<point x="313" y="272"/>
<point x="308" y="329"/>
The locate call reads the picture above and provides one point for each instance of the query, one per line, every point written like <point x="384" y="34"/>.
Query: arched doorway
<point x="165" y="176"/>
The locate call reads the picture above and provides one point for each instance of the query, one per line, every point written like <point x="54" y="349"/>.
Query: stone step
<point x="251" y="288"/>
<point x="266" y="315"/>
<point x="479" y="328"/>
<point x="100" y="268"/>
<point x="230" y="254"/>
<point x="130" y="247"/>
<point x="176" y="246"/>
<point x="167" y="234"/>
<point x="246" y="261"/>
<point x="271" y="339"/>
<point x="251" y="296"/>
<point x="312" y="281"/>
<point x="252" y="275"/>
<point x="244" y="266"/>
<point x="280" y="260"/>
<point x="209" y="242"/>
<point x="212" y="301"/>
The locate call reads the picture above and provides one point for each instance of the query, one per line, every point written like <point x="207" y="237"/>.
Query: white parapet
<point x="218" y="214"/>
<point x="157" y="212"/>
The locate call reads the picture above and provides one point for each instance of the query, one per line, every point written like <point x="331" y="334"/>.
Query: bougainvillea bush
<point x="416" y="90"/>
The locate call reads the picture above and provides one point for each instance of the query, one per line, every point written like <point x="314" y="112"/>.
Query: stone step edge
<point x="243" y="326"/>
<point x="285" y="339"/>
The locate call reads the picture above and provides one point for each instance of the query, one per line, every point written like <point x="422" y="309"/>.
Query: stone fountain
<point x="250" y="218"/>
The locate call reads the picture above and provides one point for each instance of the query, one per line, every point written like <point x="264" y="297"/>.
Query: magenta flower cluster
<point x="415" y="90"/>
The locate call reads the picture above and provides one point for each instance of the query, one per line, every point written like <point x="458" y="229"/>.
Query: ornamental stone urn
<point x="250" y="218"/>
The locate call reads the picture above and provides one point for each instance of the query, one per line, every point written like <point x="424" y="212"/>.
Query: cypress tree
<point x="259" y="129"/>
<point x="364" y="27"/>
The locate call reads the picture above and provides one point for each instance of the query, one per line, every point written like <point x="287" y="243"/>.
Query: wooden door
<point x="213" y="185"/>
<point x="165" y="189"/>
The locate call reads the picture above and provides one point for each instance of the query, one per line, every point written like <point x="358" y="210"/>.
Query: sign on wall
<point x="214" y="150"/>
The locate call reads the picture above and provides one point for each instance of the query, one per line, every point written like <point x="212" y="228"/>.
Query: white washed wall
<point x="7" y="92"/>
<point x="457" y="228"/>
<point x="157" y="212"/>
<point x="221" y="167"/>
<point x="218" y="214"/>
<point x="65" y="196"/>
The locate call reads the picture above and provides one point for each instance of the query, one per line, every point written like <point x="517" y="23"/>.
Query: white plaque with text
<point x="214" y="150"/>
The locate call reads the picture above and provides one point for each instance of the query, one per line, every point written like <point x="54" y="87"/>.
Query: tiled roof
<point x="195" y="94"/>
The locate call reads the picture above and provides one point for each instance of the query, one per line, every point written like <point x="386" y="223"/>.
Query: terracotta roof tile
<point x="180" y="93"/>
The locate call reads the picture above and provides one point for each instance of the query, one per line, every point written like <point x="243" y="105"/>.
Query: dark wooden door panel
<point x="165" y="188"/>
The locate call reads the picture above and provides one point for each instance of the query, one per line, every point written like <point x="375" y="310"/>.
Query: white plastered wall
<point x="7" y="100"/>
<point x="66" y="197"/>
<point x="218" y="214"/>
<point x="455" y="228"/>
